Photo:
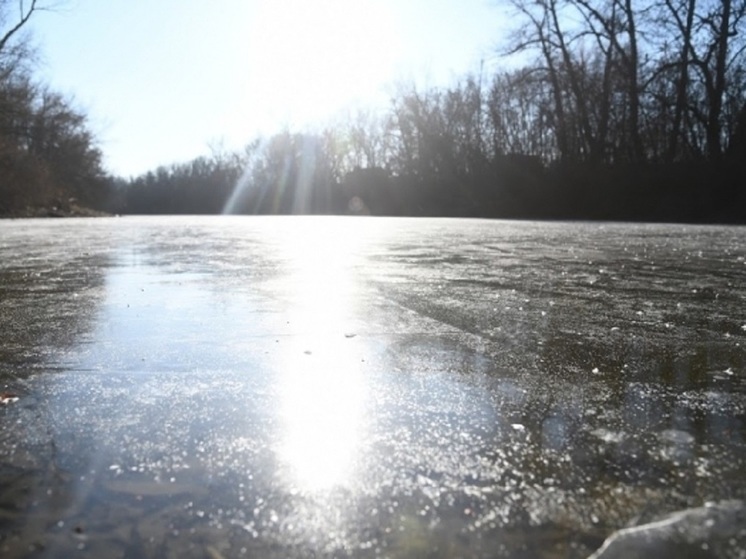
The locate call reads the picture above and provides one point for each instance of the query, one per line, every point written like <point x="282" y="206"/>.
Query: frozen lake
<point x="365" y="387"/>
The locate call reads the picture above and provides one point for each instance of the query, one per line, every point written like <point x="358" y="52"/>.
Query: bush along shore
<point x="68" y="208"/>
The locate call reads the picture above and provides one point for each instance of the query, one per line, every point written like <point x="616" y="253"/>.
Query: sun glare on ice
<point x="322" y="387"/>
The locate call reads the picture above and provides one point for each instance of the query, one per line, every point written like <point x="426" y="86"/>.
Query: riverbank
<point x="69" y="209"/>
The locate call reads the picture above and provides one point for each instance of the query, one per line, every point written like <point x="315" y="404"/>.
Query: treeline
<point x="619" y="110"/>
<point x="49" y="162"/>
<point x="610" y="109"/>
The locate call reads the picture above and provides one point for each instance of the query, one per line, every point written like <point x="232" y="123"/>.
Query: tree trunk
<point x="682" y="84"/>
<point x="714" y="127"/>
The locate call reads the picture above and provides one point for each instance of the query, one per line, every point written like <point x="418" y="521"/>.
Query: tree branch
<point x="24" y="18"/>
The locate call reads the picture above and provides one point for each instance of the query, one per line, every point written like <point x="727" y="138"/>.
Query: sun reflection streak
<point x="323" y="420"/>
<point x="322" y="388"/>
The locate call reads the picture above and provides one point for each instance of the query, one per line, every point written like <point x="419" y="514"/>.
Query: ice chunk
<point x="684" y="533"/>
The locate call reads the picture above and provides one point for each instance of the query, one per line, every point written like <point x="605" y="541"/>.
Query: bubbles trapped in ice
<point x="722" y="374"/>
<point x="676" y="436"/>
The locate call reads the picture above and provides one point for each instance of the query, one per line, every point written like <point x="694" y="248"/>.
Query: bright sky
<point x="163" y="80"/>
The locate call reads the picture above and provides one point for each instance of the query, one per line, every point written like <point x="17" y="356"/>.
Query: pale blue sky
<point x="162" y="80"/>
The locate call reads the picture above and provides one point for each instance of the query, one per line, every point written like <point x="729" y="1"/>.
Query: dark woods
<point x="49" y="163"/>
<point x="612" y="109"/>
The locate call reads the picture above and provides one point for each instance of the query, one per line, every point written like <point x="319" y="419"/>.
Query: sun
<point x="314" y="58"/>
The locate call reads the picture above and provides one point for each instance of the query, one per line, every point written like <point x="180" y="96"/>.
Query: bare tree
<point x="540" y="34"/>
<point x="681" y="14"/>
<point x="710" y="47"/>
<point x="15" y="14"/>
